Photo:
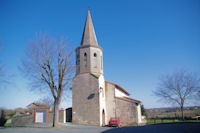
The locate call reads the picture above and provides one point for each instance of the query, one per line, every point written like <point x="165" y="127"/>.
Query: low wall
<point x="62" y="116"/>
<point x="22" y="120"/>
<point x="49" y="117"/>
<point x="29" y="119"/>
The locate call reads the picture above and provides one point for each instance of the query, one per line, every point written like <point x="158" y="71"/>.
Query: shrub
<point x="2" y="118"/>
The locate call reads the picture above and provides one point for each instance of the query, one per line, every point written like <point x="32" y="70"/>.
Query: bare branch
<point x="48" y="63"/>
<point x="178" y="88"/>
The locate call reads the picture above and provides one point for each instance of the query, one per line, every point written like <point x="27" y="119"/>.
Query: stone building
<point x="37" y="113"/>
<point x="95" y="100"/>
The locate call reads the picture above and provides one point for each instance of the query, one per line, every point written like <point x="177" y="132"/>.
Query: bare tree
<point x="178" y="88"/>
<point x="49" y="101"/>
<point x="49" y="64"/>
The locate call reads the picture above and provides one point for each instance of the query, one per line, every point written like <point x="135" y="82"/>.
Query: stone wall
<point x="29" y="119"/>
<point x="49" y="117"/>
<point x="94" y="63"/>
<point x="85" y="107"/>
<point x="62" y="116"/>
<point x="126" y="111"/>
<point x="22" y="120"/>
<point x="118" y="107"/>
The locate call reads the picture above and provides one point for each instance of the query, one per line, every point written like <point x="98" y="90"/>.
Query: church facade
<point x="94" y="100"/>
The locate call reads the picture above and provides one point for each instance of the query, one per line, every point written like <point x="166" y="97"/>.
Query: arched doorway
<point x="103" y="118"/>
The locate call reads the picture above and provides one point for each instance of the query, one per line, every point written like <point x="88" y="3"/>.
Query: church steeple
<point x="89" y="36"/>
<point x="89" y="56"/>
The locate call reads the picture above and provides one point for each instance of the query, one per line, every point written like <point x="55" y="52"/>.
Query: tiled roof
<point x="36" y="104"/>
<point x="119" y="87"/>
<point x="129" y="99"/>
<point x="20" y="110"/>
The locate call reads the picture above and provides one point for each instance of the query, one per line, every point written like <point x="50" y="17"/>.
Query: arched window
<point x="85" y="59"/>
<point x="95" y="60"/>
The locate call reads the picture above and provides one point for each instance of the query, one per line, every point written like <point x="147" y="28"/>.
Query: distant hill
<point x="172" y="112"/>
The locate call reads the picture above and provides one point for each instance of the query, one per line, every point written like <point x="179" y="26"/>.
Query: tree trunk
<point x="56" y="113"/>
<point x="182" y="113"/>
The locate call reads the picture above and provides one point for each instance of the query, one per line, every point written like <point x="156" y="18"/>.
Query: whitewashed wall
<point x="139" y="116"/>
<point x="119" y="93"/>
<point x="102" y="99"/>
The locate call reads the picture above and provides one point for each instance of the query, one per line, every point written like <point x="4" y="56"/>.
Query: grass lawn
<point x="8" y="125"/>
<point x="159" y="121"/>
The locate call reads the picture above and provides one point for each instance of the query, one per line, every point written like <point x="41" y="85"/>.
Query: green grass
<point x="7" y="125"/>
<point x="8" y="117"/>
<point x="159" y="121"/>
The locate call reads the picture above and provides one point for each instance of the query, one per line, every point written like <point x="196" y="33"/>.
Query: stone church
<point x="96" y="100"/>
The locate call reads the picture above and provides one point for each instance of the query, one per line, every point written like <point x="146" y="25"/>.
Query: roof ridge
<point x="119" y="87"/>
<point x="129" y="99"/>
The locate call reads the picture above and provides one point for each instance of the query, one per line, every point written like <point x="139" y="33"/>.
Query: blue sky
<point x="141" y="39"/>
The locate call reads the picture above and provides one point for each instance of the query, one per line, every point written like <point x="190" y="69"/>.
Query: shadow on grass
<point x="160" y="128"/>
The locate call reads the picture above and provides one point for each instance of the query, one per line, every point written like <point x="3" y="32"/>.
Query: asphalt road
<point x="50" y="130"/>
<point x="162" y="128"/>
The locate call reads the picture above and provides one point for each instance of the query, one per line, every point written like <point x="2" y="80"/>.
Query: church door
<point x="103" y="118"/>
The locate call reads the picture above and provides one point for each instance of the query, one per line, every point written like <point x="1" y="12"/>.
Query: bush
<point x="143" y="110"/>
<point x="2" y="118"/>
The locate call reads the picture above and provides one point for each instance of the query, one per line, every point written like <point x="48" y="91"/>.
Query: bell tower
<point x="89" y="56"/>
<point x="88" y="90"/>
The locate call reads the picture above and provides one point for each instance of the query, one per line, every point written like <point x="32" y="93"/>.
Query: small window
<point x="102" y="90"/>
<point x="77" y="59"/>
<point x="85" y="59"/>
<point x="95" y="60"/>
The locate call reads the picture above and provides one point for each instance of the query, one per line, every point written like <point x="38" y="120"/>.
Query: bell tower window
<point x="85" y="59"/>
<point x="95" y="60"/>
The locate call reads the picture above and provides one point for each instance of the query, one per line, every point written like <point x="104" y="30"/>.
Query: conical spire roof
<point x="89" y="36"/>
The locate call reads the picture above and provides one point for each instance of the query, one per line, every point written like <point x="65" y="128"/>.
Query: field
<point x="172" y="113"/>
<point x="160" y="121"/>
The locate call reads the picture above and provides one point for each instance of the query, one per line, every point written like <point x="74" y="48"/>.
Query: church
<point x="95" y="100"/>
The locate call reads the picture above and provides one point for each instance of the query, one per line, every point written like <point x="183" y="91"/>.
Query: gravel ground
<point x="47" y="128"/>
<point x="72" y="128"/>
